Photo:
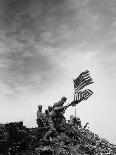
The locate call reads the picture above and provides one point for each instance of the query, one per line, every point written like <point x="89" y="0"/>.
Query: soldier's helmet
<point x="63" y="98"/>
<point x="39" y="106"/>
<point x="71" y="116"/>
<point x="78" y="119"/>
<point x="50" y="108"/>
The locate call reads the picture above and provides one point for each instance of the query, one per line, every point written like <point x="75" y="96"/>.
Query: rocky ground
<point x="16" y="139"/>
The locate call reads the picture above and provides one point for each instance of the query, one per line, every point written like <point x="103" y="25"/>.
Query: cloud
<point x="21" y="64"/>
<point x="36" y="36"/>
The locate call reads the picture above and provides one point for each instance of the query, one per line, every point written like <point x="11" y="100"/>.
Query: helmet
<point x="40" y="106"/>
<point x="64" y="98"/>
<point x="49" y="108"/>
<point x="71" y="116"/>
<point x="46" y="111"/>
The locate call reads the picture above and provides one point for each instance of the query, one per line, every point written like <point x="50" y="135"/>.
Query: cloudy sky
<point x="44" y="44"/>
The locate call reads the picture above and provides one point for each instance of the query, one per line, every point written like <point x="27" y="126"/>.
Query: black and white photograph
<point x="57" y="77"/>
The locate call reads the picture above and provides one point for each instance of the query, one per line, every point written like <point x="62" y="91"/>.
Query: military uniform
<point x="52" y="130"/>
<point x="60" y="103"/>
<point x="71" y="120"/>
<point x="50" y="117"/>
<point x="58" y="111"/>
<point x="40" y="116"/>
<point x="46" y="117"/>
<point x="55" y="118"/>
<point x="76" y="122"/>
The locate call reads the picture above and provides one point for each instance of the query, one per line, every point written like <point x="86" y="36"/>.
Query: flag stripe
<point x="83" y="80"/>
<point x="82" y="85"/>
<point x="87" y="93"/>
<point x="81" y="76"/>
<point x="83" y="95"/>
<point x="77" y="82"/>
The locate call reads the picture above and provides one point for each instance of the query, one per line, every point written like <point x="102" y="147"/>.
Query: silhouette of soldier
<point x="75" y="121"/>
<point x="39" y="120"/>
<point x="46" y="117"/>
<point x="55" y="118"/>
<point x="50" y="117"/>
<point x="60" y="103"/>
<point x="71" y="120"/>
<point x="52" y="131"/>
<point x="58" y="111"/>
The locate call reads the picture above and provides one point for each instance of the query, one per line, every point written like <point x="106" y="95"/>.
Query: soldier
<point x="55" y="117"/>
<point x="40" y="116"/>
<point x="77" y="122"/>
<point x="52" y="131"/>
<point x="58" y="111"/>
<point x="50" y="117"/>
<point x="50" y="108"/>
<point x="71" y="119"/>
<point x="60" y="103"/>
<point x="46" y="117"/>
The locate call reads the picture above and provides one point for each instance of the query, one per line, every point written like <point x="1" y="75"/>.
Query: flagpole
<point x="75" y="112"/>
<point x="74" y="100"/>
<point x="75" y="106"/>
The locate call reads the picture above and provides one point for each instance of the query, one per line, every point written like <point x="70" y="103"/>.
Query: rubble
<point x="19" y="140"/>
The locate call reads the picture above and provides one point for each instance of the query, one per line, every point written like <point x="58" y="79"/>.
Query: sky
<point x="44" y="45"/>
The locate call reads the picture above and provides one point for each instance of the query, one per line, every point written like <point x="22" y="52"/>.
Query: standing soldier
<point x="71" y="120"/>
<point x="50" y="117"/>
<point x="40" y="116"/>
<point x="52" y="131"/>
<point x="60" y="103"/>
<point x="46" y="117"/>
<point x="77" y="122"/>
<point x="58" y="111"/>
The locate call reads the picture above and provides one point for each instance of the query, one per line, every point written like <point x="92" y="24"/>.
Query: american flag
<point x="82" y="80"/>
<point x="78" y="96"/>
<point x="87" y="93"/>
<point x="83" y="95"/>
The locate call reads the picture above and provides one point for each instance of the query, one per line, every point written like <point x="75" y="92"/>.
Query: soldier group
<point x="54" y="116"/>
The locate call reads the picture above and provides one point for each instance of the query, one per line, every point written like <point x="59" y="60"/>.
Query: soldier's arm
<point x="58" y="108"/>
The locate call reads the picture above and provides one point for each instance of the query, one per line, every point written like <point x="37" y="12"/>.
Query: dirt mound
<point x="16" y="139"/>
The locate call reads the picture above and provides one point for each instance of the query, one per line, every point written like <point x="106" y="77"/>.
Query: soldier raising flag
<point x="55" y="114"/>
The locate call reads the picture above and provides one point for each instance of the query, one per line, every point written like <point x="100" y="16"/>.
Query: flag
<point x="83" y="95"/>
<point x="78" y="96"/>
<point x="87" y="93"/>
<point x="82" y="80"/>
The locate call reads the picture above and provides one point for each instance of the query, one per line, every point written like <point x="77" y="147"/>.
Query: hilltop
<point x="20" y="140"/>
